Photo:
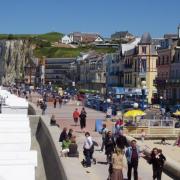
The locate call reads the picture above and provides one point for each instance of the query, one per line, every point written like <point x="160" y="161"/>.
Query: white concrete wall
<point x="17" y="161"/>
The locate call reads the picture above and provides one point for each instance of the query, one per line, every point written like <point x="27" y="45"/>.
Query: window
<point x="162" y="60"/>
<point x="144" y="49"/>
<point x="176" y="76"/>
<point x="158" y="61"/>
<point x="166" y="75"/>
<point x="162" y="75"/>
<point x="167" y="59"/>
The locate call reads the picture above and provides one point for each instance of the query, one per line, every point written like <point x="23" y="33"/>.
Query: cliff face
<point x="14" y="55"/>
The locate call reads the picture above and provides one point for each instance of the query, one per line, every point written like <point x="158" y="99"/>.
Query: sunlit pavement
<point x="100" y="170"/>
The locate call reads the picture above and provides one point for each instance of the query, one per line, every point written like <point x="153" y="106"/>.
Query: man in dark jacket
<point x="109" y="146"/>
<point x="132" y="155"/>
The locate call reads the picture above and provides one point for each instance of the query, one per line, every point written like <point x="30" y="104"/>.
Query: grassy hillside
<point x="50" y="37"/>
<point x="44" y="43"/>
<point x="68" y="52"/>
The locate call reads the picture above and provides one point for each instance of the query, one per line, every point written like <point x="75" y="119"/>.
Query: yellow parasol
<point x="134" y="113"/>
<point x="177" y="113"/>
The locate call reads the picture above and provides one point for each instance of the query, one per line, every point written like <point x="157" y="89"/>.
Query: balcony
<point x="142" y="74"/>
<point x="173" y="81"/>
<point x="98" y="81"/>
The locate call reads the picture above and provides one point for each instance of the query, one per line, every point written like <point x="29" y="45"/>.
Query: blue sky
<point x="102" y="16"/>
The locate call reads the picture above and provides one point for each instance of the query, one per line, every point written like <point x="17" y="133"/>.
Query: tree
<point x="10" y="36"/>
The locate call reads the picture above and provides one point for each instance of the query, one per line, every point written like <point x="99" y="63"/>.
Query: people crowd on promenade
<point x="116" y="144"/>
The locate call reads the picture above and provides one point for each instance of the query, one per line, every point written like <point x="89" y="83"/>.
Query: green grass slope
<point x="50" y="37"/>
<point x="55" y="52"/>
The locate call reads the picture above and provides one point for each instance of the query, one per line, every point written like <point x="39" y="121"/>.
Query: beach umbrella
<point x="177" y="113"/>
<point x="134" y="113"/>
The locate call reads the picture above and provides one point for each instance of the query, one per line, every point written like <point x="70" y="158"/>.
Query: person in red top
<point x="76" y="116"/>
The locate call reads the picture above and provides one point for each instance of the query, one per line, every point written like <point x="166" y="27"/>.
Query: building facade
<point x="93" y="73"/>
<point x="78" y="37"/>
<point x="165" y="56"/>
<point x="57" y="70"/>
<point x="168" y="69"/>
<point x="140" y="65"/>
<point x="114" y="70"/>
<point x="173" y="83"/>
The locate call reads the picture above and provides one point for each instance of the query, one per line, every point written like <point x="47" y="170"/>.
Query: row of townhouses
<point x="146" y="63"/>
<point x="153" y="61"/>
<point x="86" y="38"/>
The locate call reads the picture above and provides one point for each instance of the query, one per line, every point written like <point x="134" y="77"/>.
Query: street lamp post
<point x="109" y="110"/>
<point x="135" y="105"/>
<point x="143" y="90"/>
<point x="161" y="101"/>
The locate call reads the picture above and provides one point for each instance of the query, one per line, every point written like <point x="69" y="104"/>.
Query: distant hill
<point x="50" y="37"/>
<point x="44" y="45"/>
<point x="55" y="52"/>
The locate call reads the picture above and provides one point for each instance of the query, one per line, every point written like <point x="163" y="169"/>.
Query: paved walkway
<point x="100" y="170"/>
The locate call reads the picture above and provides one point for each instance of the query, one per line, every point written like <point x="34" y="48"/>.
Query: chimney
<point x="179" y="31"/>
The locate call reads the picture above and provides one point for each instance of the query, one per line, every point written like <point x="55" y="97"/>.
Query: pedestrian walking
<point x="117" y="165"/>
<point x="109" y="146"/>
<point x="157" y="160"/>
<point x="83" y="119"/>
<point x="43" y="107"/>
<point x="88" y="143"/>
<point x="55" y="102"/>
<point x="132" y="155"/>
<point x="121" y="141"/>
<point x="60" y="101"/>
<point x="118" y="126"/>
<point x="76" y="116"/>
<point x="103" y="132"/>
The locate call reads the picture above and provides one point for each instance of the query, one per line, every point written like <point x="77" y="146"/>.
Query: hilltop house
<point x="66" y="39"/>
<point x="122" y="35"/>
<point x="99" y="39"/>
<point x="78" y="37"/>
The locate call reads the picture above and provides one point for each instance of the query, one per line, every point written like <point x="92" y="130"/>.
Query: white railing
<point x="169" y="123"/>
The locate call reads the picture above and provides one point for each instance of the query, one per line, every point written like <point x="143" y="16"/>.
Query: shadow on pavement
<point x="100" y="162"/>
<point x="74" y="125"/>
<point x="162" y="143"/>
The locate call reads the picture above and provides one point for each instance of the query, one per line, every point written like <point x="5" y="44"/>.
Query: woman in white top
<point x="88" y="144"/>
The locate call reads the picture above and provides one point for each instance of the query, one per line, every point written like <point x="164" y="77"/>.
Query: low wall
<point x="40" y="170"/>
<point x="52" y="164"/>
